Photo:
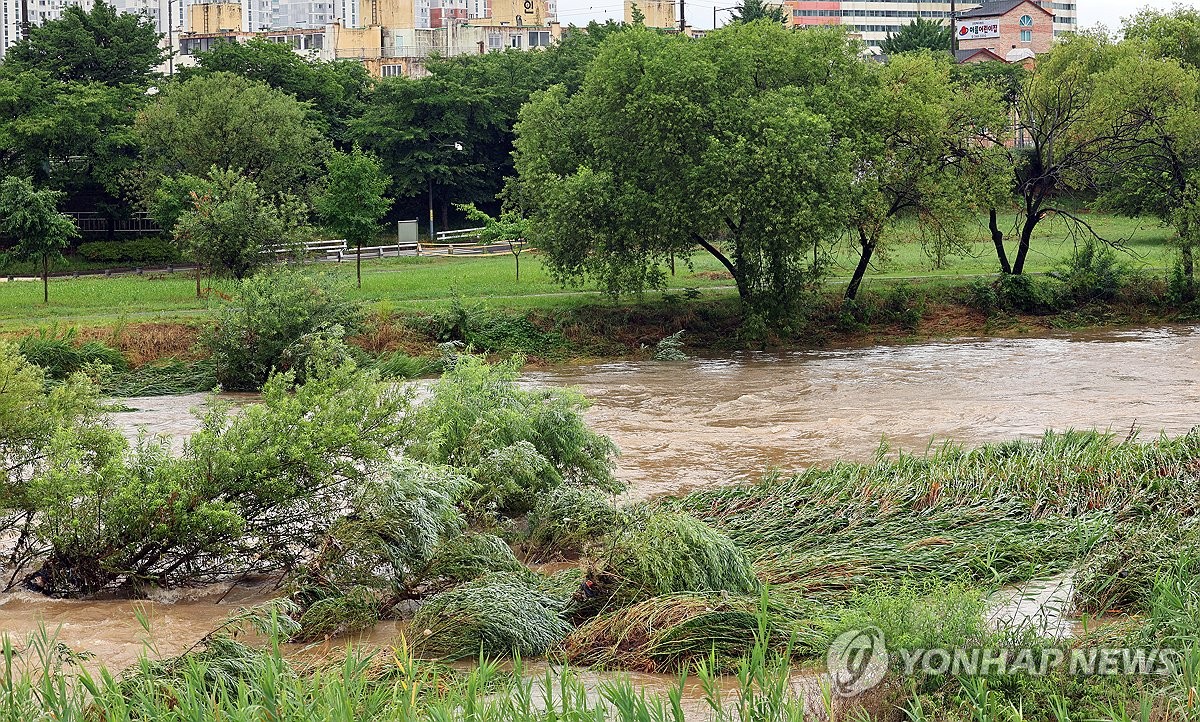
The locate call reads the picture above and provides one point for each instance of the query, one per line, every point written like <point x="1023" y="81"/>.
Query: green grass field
<point x="427" y="282"/>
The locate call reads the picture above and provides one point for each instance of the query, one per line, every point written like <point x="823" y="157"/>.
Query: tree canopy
<point x="733" y="144"/>
<point x="233" y="123"/>
<point x="920" y="34"/>
<point x="352" y="202"/>
<point x="336" y="89"/>
<point x="752" y="10"/>
<point x="99" y="44"/>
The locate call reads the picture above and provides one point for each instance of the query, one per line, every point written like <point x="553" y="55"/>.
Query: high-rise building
<point x="874" y="19"/>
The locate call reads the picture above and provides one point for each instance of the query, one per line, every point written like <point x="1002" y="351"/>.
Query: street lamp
<point x="456" y="146"/>
<point x="715" y="9"/>
<point x="170" y="38"/>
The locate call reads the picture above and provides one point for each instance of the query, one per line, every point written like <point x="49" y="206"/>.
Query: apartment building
<point x="874" y="19"/>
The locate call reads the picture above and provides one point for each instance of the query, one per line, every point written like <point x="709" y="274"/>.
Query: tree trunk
<point x="743" y="290"/>
<point x="1189" y="272"/>
<point x="864" y="261"/>
<point x="517" y="256"/>
<point x="672" y="264"/>
<point x="358" y="263"/>
<point x="998" y="239"/>
<point x="199" y="267"/>
<point x="45" y="279"/>
<point x="1031" y="221"/>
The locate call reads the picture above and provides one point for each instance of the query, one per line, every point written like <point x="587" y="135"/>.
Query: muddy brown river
<point x="682" y="425"/>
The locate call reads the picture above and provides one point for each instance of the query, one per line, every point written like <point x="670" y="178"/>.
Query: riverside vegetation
<point x="368" y="504"/>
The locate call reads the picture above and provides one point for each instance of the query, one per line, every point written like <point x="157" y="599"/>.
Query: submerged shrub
<point x="276" y="321"/>
<point x="672" y="552"/>
<point x="566" y="519"/>
<point x="496" y="615"/>
<point x="472" y="555"/>
<point x="514" y="443"/>
<point x="665" y="632"/>
<point x="332" y="616"/>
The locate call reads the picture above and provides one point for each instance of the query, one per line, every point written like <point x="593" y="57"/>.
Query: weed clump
<point x="63" y="354"/>
<point x="515" y="444"/>
<point x="496" y="615"/>
<point x="472" y="555"/>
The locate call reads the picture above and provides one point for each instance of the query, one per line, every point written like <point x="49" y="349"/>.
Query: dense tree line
<point x="622" y="148"/>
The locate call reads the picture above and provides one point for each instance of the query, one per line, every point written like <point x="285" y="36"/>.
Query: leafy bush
<point x="1091" y="273"/>
<point x="63" y="355"/>
<point x="515" y="444"/>
<point x="256" y="489"/>
<point x="496" y="615"/>
<point x="1024" y="294"/>
<point x="674" y="552"/>
<point x="483" y="329"/>
<point x="275" y="322"/>
<point x="137" y="251"/>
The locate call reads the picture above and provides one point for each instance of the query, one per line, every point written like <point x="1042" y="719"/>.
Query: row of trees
<point x="766" y="147"/>
<point x="622" y="147"/>
<point x="255" y="143"/>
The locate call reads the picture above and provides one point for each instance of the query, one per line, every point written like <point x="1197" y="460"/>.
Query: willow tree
<point x="1150" y="101"/>
<point x="732" y="144"/>
<point x="923" y="157"/>
<point x="1059" y="147"/>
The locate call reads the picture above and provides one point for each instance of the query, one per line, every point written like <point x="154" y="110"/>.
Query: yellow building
<point x="214" y="18"/>
<point x="657" y="13"/>
<point x="515" y="12"/>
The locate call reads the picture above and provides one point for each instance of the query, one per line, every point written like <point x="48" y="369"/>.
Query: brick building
<point x="872" y="20"/>
<point x="1012" y="29"/>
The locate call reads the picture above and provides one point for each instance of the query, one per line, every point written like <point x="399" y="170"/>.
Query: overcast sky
<point x="700" y="12"/>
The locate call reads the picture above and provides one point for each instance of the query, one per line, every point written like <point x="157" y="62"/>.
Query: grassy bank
<point x="424" y="283"/>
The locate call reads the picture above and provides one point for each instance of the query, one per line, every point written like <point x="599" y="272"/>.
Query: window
<point x="539" y="39"/>
<point x="1026" y="21"/>
<point x="1027" y="36"/>
<point x="391" y="71"/>
<point x="515" y="41"/>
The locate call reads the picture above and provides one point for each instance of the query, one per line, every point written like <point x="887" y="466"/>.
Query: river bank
<point x="917" y="544"/>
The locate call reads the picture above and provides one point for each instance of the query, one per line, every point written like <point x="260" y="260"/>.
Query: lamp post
<point x="715" y="9"/>
<point x="170" y="38"/>
<point x="456" y="146"/>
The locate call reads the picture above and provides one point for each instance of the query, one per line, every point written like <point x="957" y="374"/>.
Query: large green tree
<point x="353" y="202"/>
<point x="99" y="45"/>
<point x="336" y="89"/>
<point x="29" y="217"/>
<point x="732" y="144"/>
<point x="74" y="136"/>
<point x="750" y="10"/>
<point x="923" y="157"/>
<point x="233" y="123"/>
<point x="473" y="100"/>
<point x="1152" y="106"/>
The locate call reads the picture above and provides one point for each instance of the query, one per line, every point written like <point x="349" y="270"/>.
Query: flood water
<point x="682" y="425"/>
